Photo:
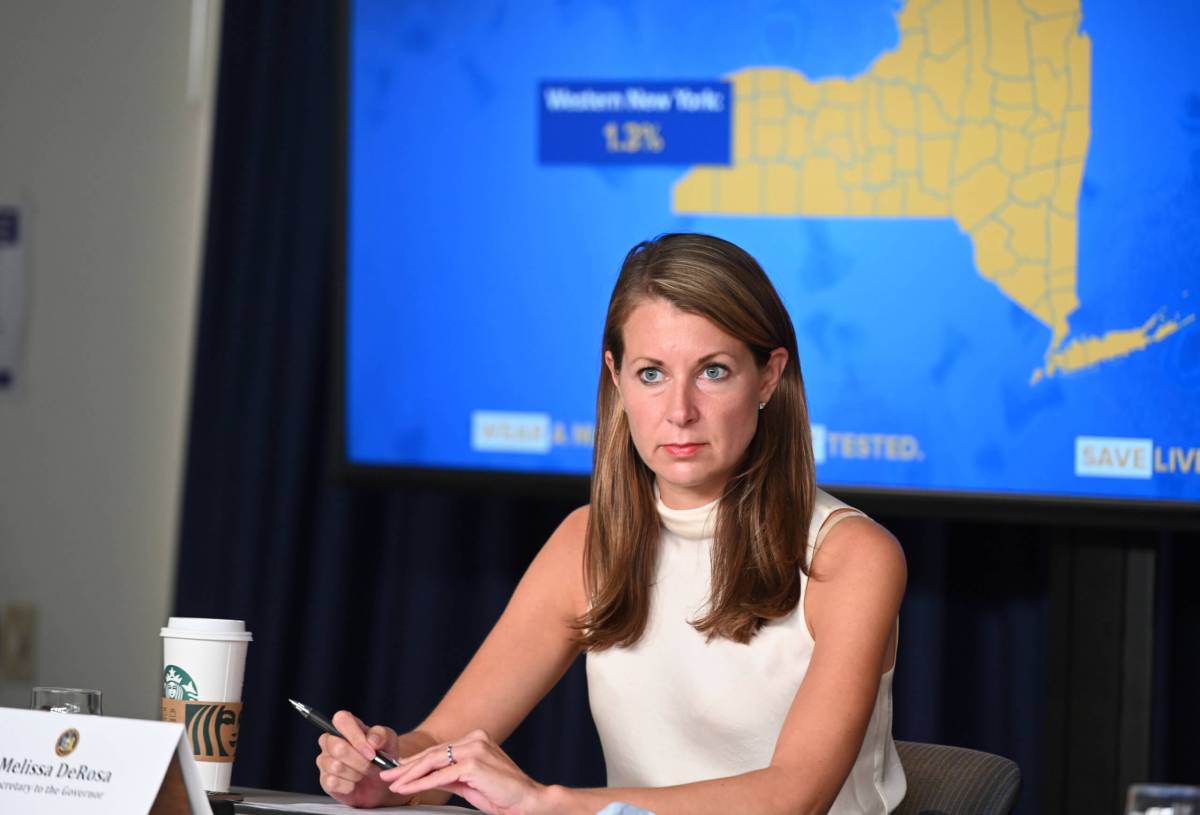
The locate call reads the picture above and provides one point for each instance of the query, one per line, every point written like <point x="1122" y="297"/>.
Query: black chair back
<point x="944" y="780"/>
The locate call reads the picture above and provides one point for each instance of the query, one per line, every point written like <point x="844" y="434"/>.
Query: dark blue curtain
<point x="373" y="596"/>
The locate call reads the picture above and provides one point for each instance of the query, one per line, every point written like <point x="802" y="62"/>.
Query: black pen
<point x="320" y="720"/>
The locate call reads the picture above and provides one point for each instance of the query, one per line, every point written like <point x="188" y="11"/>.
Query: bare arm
<point x="851" y="605"/>
<point x="528" y="650"/>
<point x="526" y="653"/>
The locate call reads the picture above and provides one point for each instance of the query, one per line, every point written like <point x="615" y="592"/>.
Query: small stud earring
<point x="762" y="405"/>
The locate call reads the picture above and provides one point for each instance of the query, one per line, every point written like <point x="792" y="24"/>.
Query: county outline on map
<point x="981" y="114"/>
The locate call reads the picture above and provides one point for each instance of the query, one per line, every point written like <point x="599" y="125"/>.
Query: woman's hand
<point x="474" y="768"/>
<point x="347" y="773"/>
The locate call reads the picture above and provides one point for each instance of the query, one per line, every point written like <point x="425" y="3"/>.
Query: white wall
<point x="99" y="136"/>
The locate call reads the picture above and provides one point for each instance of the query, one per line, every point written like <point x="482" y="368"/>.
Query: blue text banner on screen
<point x="623" y="123"/>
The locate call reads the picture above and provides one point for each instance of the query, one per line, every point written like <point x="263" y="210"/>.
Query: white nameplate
<point x="53" y="763"/>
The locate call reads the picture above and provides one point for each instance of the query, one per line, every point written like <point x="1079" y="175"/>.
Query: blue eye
<point x="714" y="373"/>
<point x="650" y="375"/>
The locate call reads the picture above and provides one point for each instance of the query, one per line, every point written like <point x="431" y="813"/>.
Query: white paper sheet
<point x="272" y="801"/>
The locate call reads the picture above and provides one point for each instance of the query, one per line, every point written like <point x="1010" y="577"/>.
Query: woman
<point x="739" y="624"/>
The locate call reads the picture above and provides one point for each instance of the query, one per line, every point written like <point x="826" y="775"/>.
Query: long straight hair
<point x="765" y="510"/>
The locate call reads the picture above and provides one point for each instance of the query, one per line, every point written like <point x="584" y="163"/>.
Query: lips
<point x="682" y="450"/>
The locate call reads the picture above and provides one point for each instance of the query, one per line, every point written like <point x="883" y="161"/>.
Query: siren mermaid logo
<point x="178" y="685"/>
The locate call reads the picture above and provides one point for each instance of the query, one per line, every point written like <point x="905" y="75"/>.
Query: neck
<point x="674" y="497"/>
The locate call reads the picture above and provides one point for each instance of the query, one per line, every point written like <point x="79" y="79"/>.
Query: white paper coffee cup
<point x="204" y="662"/>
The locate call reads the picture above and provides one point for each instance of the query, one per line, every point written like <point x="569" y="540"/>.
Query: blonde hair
<point x="765" y="510"/>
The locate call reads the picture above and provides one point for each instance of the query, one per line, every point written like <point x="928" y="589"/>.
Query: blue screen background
<point x="477" y="278"/>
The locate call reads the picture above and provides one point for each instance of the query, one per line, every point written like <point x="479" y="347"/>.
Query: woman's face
<point x="691" y="394"/>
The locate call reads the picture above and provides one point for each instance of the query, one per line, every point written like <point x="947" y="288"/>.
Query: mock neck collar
<point x="698" y="523"/>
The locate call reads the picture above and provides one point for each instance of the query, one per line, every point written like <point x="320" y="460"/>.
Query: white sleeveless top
<point x="674" y="708"/>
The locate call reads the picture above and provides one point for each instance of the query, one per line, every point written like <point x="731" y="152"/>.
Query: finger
<point x="350" y="726"/>
<point x="438" y="779"/>
<point x="427" y="761"/>
<point x="336" y="786"/>
<point x="377" y="736"/>
<point x="355" y="732"/>
<point x="328" y="765"/>
<point x="415" y="767"/>
<point x="476" y="738"/>
<point x="340" y="749"/>
<point x="478" y="779"/>
<point x="327" y="742"/>
<point x="437" y="749"/>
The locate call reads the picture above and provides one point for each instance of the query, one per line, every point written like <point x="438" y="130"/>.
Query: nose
<point x="682" y="409"/>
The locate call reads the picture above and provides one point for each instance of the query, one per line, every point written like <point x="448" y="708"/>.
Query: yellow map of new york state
<point x="981" y="114"/>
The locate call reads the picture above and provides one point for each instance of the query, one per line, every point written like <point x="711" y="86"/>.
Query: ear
<point x="772" y="372"/>
<point x="612" y="369"/>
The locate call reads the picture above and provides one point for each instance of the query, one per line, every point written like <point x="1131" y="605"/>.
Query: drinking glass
<point x="66" y="700"/>
<point x="1163" y="799"/>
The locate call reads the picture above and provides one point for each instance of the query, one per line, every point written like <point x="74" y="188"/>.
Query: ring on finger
<point x="450" y="755"/>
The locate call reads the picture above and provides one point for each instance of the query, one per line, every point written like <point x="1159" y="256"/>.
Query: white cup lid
<point x="206" y="628"/>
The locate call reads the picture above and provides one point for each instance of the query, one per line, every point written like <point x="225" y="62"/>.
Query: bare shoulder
<point x="559" y="565"/>
<point x="569" y="537"/>
<point x="576" y="521"/>
<point x="857" y="548"/>
<point x="856" y="582"/>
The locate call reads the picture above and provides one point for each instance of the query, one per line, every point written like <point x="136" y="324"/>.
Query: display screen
<point x="984" y="219"/>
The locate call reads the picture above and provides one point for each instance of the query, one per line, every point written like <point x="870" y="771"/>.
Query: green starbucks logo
<point x="178" y="685"/>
